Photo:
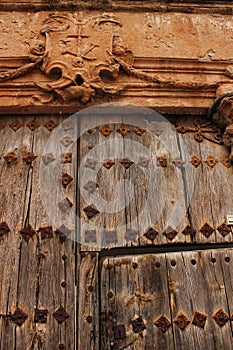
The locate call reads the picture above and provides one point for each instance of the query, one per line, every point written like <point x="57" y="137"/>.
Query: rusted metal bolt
<point x="63" y="284"/>
<point x="193" y="262"/>
<point x="157" y="264"/>
<point x="90" y="288"/>
<point x="64" y="257"/>
<point x="227" y="259"/>
<point x="89" y="319"/>
<point x="110" y="294"/>
<point x="173" y="262"/>
<point x="135" y="265"/>
<point x="90" y="146"/>
<point x="61" y="347"/>
<point x="213" y="260"/>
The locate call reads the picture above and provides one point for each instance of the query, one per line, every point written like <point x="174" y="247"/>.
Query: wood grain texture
<point x="149" y="290"/>
<point x="32" y="270"/>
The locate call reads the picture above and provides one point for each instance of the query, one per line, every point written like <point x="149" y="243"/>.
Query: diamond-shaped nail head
<point x="91" y="211"/>
<point x="60" y="314"/>
<point x="181" y="321"/>
<point x="151" y="233"/>
<point x="18" y="317"/>
<point x="199" y="319"/>
<point x="163" y="323"/>
<point x="206" y="230"/>
<point x="138" y="324"/>
<point x="220" y="317"/>
<point x="170" y="233"/>
<point x="224" y="229"/>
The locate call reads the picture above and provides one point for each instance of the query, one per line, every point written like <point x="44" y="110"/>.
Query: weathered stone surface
<point x="61" y="61"/>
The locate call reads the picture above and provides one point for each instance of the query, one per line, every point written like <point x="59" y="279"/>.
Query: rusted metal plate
<point x="166" y="301"/>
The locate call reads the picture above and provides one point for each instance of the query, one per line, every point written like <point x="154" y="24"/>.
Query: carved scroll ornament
<point x="221" y="114"/>
<point x="82" y="57"/>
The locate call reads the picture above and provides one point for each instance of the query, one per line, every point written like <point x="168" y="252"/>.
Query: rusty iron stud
<point x="89" y="319"/>
<point x="195" y="161"/>
<point x="227" y="259"/>
<point x="181" y="321"/>
<point x="66" y="158"/>
<point x="40" y="316"/>
<point x="29" y="157"/>
<point x="126" y="163"/>
<point x="220" y="317"/>
<point x="226" y="162"/>
<point x="50" y="125"/>
<point x="157" y="264"/>
<point x="48" y="158"/>
<point x="110" y="294"/>
<point x="90" y="289"/>
<point x="210" y="161"/>
<point x="151" y="234"/>
<point x="90" y="164"/>
<point x="119" y="332"/>
<point x="163" y="323"/>
<point x="66" y="179"/>
<point x="134" y="265"/>
<point x="90" y="211"/>
<point x="139" y="131"/>
<point x="173" y="262"/>
<point x="91" y="131"/>
<point x="61" y="346"/>
<point x="91" y="186"/>
<point x="63" y="232"/>
<point x="110" y="236"/>
<point x="193" y="262"/>
<point x="189" y="230"/>
<point x="60" y="314"/>
<point x="131" y="234"/>
<point x="206" y="230"/>
<point x="90" y="145"/>
<point x="16" y="125"/>
<point x="33" y="125"/>
<point x="198" y="136"/>
<point x="182" y="129"/>
<point x="106" y="130"/>
<point x="67" y="141"/>
<point x="64" y="257"/>
<point x="143" y="162"/>
<point x="63" y="284"/>
<point x="213" y="260"/>
<point x="18" y="317"/>
<point x="199" y="319"/>
<point x="108" y="164"/>
<point x="90" y="236"/>
<point x="67" y="126"/>
<point x="123" y="130"/>
<point x="4" y="229"/>
<point x="27" y="232"/>
<point x="170" y="233"/>
<point x="223" y="229"/>
<point x="46" y="232"/>
<point x="162" y="161"/>
<point x="65" y="204"/>
<point x="138" y="325"/>
<point x="10" y="157"/>
<point x="179" y="163"/>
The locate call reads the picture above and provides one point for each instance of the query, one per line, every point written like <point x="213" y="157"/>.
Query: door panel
<point x="167" y="301"/>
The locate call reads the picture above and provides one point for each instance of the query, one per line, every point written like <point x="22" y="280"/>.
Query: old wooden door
<point x="161" y="277"/>
<point x="145" y="263"/>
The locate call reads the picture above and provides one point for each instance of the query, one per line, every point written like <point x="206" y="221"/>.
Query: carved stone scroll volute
<point x="222" y="114"/>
